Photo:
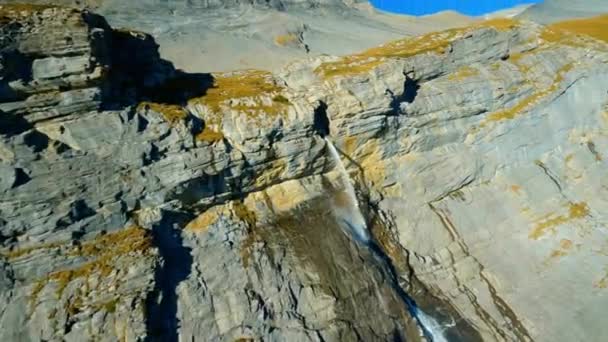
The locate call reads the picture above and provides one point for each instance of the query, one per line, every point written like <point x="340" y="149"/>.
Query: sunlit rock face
<point x="550" y="11"/>
<point x="142" y="202"/>
<point x="214" y="35"/>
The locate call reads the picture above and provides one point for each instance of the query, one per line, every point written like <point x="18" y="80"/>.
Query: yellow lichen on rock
<point x="500" y="24"/>
<point x="284" y="197"/>
<point x="434" y="42"/>
<point x="551" y="221"/>
<point x="251" y="85"/>
<point x="171" y="113"/>
<point x="603" y="283"/>
<point x="202" y="223"/>
<point x="349" y="145"/>
<point x="565" y="246"/>
<point x="254" y="93"/>
<point x="104" y="251"/>
<point x="18" y="253"/>
<point x="242" y="213"/>
<point x="210" y="135"/>
<point x="596" y="27"/>
<point x="286" y="39"/>
<point x="525" y="104"/>
<point x="516" y="189"/>
<point x="463" y="73"/>
<point x="24" y="8"/>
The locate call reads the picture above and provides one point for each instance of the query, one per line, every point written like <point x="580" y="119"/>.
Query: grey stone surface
<point x="139" y="202"/>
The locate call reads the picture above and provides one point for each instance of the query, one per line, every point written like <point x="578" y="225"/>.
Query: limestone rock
<point x="140" y="202"/>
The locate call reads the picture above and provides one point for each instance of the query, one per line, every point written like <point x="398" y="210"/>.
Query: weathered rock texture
<point x="139" y="202"/>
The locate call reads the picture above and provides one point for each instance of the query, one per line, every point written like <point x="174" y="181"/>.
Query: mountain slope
<point x="213" y="35"/>
<point x="198" y="38"/>
<point x="138" y="202"/>
<point x="550" y="11"/>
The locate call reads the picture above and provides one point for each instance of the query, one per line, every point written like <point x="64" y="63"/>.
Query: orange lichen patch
<point x="387" y="241"/>
<point x="121" y="242"/>
<point x="252" y="92"/>
<point x="500" y="24"/>
<point x="602" y="283"/>
<point x="228" y="88"/>
<point x="210" y="135"/>
<point x="578" y="210"/>
<point x="516" y="58"/>
<point x="596" y="27"/>
<point x="249" y="217"/>
<point x="350" y="65"/>
<point x="104" y="252"/>
<point x="17" y="253"/>
<point x="349" y="145"/>
<point x="24" y="8"/>
<point x="202" y="223"/>
<point x="283" y="198"/>
<point x="516" y="189"/>
<point x="569" y="158"/>
<point x="463" y="73"/>
<point x="286" y="39"/>
<point x="171" y="113"/>
<point x="13" y="12"/>
<point x="244" y="214"/>
<point x="564" y="248"/>
<point x="435" y="42"/>
<point x="525" y="104"/>
<point x="551" y="221"/>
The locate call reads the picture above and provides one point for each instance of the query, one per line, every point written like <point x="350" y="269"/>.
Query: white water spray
<point x="356" y="223"/>
<point x="355" y="220"/>
<point x="431" y="326"/>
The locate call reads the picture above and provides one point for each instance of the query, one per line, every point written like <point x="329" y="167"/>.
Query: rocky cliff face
<point x="140" y="202"/>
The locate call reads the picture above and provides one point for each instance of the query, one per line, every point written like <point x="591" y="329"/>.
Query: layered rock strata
<point x="141" y="202"/>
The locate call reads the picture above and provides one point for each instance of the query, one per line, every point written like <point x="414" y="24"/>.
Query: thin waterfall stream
<point x="432" y="329"/>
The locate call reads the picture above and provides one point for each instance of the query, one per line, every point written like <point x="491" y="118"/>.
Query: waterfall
<point x="431" y="327"/>
<point x="354" y="220"/>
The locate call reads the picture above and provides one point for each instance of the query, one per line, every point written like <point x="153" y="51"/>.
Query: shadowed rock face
<point x="139" y="202"/>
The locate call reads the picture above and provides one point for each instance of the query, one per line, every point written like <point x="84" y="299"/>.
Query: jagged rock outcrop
<point x="98" y="193"/>
<point x="140" y="202"/>
<point x="473" y="153"/>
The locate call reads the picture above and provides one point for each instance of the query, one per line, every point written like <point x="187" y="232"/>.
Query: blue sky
<point x="470" y="7"/>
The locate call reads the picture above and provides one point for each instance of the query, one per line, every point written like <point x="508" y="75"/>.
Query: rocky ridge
<point x="141" y="202"/>
<point x="551" y="11"/>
